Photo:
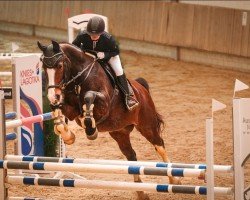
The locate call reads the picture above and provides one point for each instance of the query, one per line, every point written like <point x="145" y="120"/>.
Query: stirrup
<point x="130" y="108"/>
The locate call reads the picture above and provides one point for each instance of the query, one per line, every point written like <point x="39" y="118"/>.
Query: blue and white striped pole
<point x="113" y="185"/>
<point x="95" y="168"/>
<point x="217" y="168"/>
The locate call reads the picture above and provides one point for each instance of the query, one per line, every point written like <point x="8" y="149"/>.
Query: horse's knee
<point x="131" y="155"/>
<point x="89" y="97"/>
<point x="128" y="152"/>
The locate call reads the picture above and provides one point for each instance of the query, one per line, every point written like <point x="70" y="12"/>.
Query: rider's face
<point x="94" y="36"/>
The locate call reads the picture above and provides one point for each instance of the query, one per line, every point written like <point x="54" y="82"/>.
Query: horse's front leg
<point x="61" y="128"/>
<point x="88" y="121"/>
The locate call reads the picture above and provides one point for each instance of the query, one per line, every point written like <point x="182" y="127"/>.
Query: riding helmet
<point x="95" y="25"/>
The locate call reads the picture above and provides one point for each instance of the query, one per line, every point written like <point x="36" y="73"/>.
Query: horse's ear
<point x="56" y="46"/>
<point x="42" y="47"/>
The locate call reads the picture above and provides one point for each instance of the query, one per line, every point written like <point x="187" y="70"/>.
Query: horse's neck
<point x="79" y="61"/>
<point x="73" y="52"/>
<point x="77" y="58"/>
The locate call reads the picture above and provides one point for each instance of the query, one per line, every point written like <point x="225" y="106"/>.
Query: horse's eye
<point x="60" y="66"/>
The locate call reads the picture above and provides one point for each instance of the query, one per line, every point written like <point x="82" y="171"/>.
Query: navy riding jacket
<point x="106" y="43"/>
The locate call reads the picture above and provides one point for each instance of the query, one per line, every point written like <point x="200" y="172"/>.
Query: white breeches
<point x="116" y="65"/>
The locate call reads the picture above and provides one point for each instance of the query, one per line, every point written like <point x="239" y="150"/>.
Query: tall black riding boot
<point x="130" y="102"/>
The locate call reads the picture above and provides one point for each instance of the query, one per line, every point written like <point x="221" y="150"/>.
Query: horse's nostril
<point x="57" y="96"/>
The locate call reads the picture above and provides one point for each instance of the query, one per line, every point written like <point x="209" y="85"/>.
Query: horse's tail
<point x="143" y="82"/>
<point x="160" y="122"/>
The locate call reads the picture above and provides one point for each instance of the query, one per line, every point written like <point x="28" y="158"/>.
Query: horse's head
<point x="56" y="67"/>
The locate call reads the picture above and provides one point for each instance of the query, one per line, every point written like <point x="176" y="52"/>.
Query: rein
<point x="62" y="85"/>
<point x="90" y="67"/>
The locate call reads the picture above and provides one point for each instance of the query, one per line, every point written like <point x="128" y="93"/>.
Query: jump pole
<point x="33" y="119"/>
<point x="11" y="136"/>
<point x="108" y="169"/>
<point x="217" y="168"/>
<point x="10" y="115"/>
<point x="9" y="56"/>
<point x="114" y="185"/>
<point x="5" y="73"/>
<point x="210" y="159"/>
<point x="216" y="106"/>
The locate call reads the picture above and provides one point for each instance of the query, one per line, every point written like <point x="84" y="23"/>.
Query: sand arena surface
<point x="182" y="93"/>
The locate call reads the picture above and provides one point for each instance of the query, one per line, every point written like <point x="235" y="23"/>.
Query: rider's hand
<point x="100" y="55"/>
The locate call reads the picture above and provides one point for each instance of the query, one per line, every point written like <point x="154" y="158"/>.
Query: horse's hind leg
<point x="160" y="149"/>
<point x="151" y="134"/>
<point x="122" y="137"/>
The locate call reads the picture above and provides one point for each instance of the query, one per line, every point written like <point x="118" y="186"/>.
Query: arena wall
<point x="167" y="28"/>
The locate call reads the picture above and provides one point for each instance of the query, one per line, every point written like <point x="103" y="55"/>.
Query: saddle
<point x="109" y="72"/>
<point x="112" y="77"/>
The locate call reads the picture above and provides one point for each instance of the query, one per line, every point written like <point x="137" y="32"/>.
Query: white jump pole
<point x="210" y="159"/>
<point x="9" y="56"/>
<point x="216" y="105"/>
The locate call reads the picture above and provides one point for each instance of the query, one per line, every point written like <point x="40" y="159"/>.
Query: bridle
<point x="51" y="61"/>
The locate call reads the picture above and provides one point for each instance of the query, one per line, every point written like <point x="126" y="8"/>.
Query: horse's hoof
<point x="89" y="122"/>
<point x="142" y="196"/>
<point x="93" y="136"/>
<point x="175" y="181"/>
<point x="58" y="129"/>
<point x="71" y="140"/>
<point x="89" y="128"/>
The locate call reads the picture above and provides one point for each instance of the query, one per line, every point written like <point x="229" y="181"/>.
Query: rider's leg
<point x="115" y="63"/>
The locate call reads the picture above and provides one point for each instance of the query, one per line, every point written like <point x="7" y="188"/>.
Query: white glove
<point x="100" y="55"/>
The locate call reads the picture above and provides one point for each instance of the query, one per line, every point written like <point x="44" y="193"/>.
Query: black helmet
<point x="95" y="25"/>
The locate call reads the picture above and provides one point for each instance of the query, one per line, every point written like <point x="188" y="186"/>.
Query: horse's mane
<point x="71" y="45"/>
<point x="73" y="50"/>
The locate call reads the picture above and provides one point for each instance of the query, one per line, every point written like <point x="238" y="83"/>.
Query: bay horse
<point x="80" y="88"/>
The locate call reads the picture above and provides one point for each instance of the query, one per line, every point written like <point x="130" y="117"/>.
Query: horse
<point x="80" y="88"/>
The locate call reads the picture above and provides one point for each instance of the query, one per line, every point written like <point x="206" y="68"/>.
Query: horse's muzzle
<point x="56" y="106"/>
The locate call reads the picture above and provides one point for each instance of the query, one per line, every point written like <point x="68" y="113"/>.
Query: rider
<point x="95" y="38"/>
